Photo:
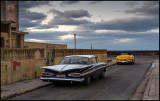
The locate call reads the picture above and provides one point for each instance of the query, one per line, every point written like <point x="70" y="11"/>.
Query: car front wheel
<point x="102" y="75"/>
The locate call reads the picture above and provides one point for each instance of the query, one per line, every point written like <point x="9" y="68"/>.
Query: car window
<point x="75" y="60"/>
<point x="126" y="53"/>
<point x="94" y="60"/>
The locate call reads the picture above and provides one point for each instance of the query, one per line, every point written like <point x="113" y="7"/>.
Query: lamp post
<point x="75" y="40"/>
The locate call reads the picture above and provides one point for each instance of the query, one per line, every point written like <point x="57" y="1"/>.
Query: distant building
<point x="11" y="37"/>
<point x="46" y="46"/>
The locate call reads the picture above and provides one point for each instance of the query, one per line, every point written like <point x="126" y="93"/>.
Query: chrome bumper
<point x="123" y="61"/>
<point x="62" y="79"/>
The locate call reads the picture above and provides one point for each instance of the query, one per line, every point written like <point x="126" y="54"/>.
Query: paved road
<point x="120" y="83"/>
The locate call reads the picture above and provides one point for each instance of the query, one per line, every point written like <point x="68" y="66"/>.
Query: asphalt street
<point x="120" y="83"/>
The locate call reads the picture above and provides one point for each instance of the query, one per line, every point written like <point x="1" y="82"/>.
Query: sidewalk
<point x="17" y="88"/>
<point x="21" y="87"/>
<point x="152" y="90"/>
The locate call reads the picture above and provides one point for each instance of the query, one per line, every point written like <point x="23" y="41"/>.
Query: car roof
<point x="88" y="56"/>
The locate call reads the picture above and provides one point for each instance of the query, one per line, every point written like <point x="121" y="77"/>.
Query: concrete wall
<point x="3" y="14"/>
<point x="14" y="39"/>
<point x="21" y="64"/>
<point x="17" y="70"/>
<point x="13" y="13"/>
<point x="55" y="55"/>
<point x="4" y="34"/>
<point x="145" y="52"/>
<point x="46" y="46"/>
<point x="9" y="11"/>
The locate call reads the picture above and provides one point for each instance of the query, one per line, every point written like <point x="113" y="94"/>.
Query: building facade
<point x="11" y="37"/>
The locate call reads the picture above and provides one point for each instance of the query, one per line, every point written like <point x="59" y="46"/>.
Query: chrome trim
<point x="94" y="69"/>
<point x="124" y="61"/>
<point x="63" y="79"/>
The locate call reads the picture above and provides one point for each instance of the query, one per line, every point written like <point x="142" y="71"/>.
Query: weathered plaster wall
<point x="17" y="70"/>
<point x="46" y="46"/>
<point x="4" y="34"/>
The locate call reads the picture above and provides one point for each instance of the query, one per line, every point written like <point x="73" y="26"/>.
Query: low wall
<point x="145" y="52"/>
<point x="21" y="64"/>
<point x="55" y="55"/>
<point x="17" y="70"/>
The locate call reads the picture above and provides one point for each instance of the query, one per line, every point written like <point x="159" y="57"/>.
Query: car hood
<point x="61" y="68"/>
<point x="124" y="57"/>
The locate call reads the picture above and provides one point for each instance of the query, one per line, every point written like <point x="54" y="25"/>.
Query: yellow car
<point x="125" y="58"/>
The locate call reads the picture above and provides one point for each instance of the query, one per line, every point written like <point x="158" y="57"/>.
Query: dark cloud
<point x="46" y="26"/>
<point x="149" y="8"/>
<point x="94" y="2"/>
<point x="131" y="3"/>
<point x="25" y="24"/>
<point x="67" y="21"/>
<point x="29" y="16"/>
<point x="71" y="14"/>
<point x="136" y="24"/>
<point x="66" y="17"/>
<point x="64" y="3"/>
<point x="30" y="4"/>
<point x="26" y="17"/>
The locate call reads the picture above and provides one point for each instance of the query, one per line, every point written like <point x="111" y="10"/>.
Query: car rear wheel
<point x="88" y="81"/>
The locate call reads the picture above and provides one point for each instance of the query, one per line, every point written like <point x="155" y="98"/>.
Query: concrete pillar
<point x="10" y="36"/>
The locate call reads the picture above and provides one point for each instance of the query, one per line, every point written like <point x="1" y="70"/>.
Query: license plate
<point x="60" y="75"/>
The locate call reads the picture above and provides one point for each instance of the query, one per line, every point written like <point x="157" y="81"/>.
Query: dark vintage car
<point x="74" y="68"/>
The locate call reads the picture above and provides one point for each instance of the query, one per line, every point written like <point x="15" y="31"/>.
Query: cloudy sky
<point x="111" y="25"/>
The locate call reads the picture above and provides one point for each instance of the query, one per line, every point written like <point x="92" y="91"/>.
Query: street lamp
<point x="75" y="40"/>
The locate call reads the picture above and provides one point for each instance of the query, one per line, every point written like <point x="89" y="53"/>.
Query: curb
<point x="150" y="91"/>
<point x="22" y="91"/>
<point x="111" y="64"/>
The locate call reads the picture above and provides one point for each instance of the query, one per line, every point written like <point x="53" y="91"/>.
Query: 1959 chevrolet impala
<point x="75" y="68"/>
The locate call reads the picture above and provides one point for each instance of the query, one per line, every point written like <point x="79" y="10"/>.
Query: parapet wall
<point x="55" y="55"/>
<point x="145" y="52"/>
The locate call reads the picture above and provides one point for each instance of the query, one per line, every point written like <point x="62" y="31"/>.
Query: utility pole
<point x="91" y="46"/>
<point x="75" y="40"/>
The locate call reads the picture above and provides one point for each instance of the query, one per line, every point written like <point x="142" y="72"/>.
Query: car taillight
<point x="75" y="74"/>
<point x="46" y="74"/>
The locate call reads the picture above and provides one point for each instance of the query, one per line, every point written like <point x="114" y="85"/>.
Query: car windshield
<point x="125" y="53"/>
<point x="74" y="60"/>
